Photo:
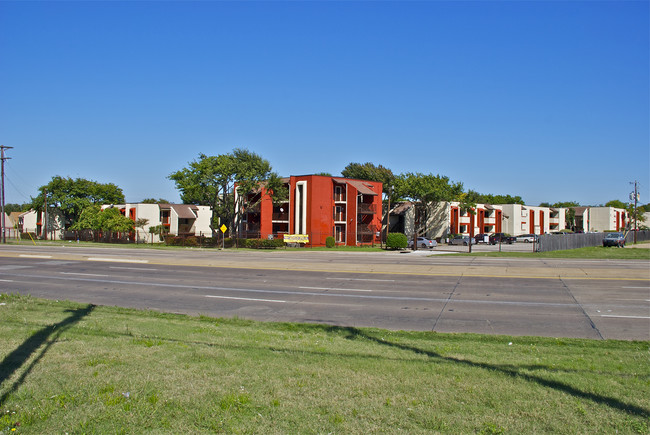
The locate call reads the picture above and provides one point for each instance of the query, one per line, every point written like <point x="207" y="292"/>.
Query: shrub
<point x="181" y="241"/>
<point x="396" y="241"/>
<point x="260" y="243"/>
<point x="25" y="236"/>
<point x="330" y="242"/>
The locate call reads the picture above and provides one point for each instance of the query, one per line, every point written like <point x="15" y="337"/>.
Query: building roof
<point x="364" y="188"/>
<point x="184" y="211"/>
<point x="401" y="207"/>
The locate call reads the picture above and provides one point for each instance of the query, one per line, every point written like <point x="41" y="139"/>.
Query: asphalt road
<point x="598" y="299"/>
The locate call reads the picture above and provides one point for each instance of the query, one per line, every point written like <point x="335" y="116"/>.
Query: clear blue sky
<point x="548" y="100"/>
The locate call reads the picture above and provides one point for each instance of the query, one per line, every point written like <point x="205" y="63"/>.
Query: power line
<point x="13" y="174"/>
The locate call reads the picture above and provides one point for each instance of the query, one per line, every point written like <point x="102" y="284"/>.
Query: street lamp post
<point x="390" y="193"/>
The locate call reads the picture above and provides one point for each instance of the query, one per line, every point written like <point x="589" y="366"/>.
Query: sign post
<point x="223" y="229"/>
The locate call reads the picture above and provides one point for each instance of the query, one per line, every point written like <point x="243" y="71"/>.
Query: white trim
<point x="301" y="201"/>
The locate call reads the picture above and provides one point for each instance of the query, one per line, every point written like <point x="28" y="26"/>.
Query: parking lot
<point x="482" y="247"/>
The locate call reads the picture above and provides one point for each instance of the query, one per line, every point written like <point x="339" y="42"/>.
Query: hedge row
<point x="209" y="242"/>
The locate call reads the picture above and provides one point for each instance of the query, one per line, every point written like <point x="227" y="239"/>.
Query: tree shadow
<point x="48" y="335"/>
<point x="612" y="402"/>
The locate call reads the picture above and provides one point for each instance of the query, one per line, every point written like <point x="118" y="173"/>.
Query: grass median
<point x="73" y="368"/>
<point x="594" y="252"/>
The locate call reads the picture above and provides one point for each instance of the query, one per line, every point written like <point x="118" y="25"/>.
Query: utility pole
<point x="636" y="199"/>
<point x="44" y="221"/>
<point x="2" y="156"/>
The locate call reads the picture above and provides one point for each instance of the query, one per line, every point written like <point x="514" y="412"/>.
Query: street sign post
<point x="223" y="229"/>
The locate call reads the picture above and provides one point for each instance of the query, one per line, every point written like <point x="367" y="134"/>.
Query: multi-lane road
<point x="597" y="299"/>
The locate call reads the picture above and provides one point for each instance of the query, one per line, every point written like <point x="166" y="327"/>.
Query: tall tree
<point x="371" y="172"/>
<point x="570" y="213"/>
<point x="72" y="196"/>
<point x="482" y="198"/>
<point x="617" y="204"/>
<point x="424" y="189"/>
<point x="106" y="221"/>
<point x="155" y="201"/>
<point x="211" y="180"/>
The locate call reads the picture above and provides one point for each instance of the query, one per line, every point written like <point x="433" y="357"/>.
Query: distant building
<point x="177" y="219"/>
<point x="32" y="222"/>
<point x="525" y="219"/>
<point x="446" y="218"/>
<point x="598" y="219"/>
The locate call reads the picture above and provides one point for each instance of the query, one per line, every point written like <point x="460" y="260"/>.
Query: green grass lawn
<point x="595" y="252"/>
<point x="73" y="368"/>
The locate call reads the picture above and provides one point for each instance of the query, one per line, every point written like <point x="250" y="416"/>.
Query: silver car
<point x="527" y="238"/>
<point x="423" y="242"/>
<point x="461" y="240"/>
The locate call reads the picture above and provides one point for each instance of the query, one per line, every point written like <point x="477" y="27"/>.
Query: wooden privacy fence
<point x="559" y="242"/>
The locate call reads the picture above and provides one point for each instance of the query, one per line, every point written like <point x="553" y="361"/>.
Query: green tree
<point x="154" y="201"/>
<point x="72" y="196"/>
<point x="106" y="222"/>
<point x="423" y="190"/>
<point x="481" y="198"/>
<point x="211" y="180"/>
<point x="140" y="223"/>
<point x="615" y="203"/>
<point x="371" y="172"/>
<point x="10" y="208"/>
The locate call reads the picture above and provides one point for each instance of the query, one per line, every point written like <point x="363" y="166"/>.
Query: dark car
<point x="501" y="238"/>
<point x="614" y="239"/>
<point x="480" y="238"/>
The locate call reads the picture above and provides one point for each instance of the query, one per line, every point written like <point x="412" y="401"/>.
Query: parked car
<point x="423" y="242"/>
<point x="614" y="239"/>
<point x="527" y="238"/>
<point x="460" y="240"/>
<point x="480" y="238"/>
<point x="501" y="237"/>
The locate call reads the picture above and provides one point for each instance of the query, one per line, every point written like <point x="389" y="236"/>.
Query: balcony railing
<point x="281" y="217"/>
<point x="365" y="229"/>
<point x="366" y="208"/>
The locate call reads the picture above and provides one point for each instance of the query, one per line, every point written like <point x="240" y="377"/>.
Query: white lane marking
<point x="34" y="256"/>
<point x="296" y="293"/>
<point x="117" y="260"/>
<point x="132" y="268"/>
<point x="646" y="288"/>
<point x="337" y="289"/>
<point x="83" y="274"/>
<point x="245" y="299"/>
<point x="625" y="317"/>
<point x="362" y="279"/>
<point x="6" y="280"/>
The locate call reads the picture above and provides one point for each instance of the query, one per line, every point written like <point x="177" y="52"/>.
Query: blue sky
<point x="548" y="100"/>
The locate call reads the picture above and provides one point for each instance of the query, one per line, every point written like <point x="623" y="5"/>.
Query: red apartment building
<point x="318" y="206"/>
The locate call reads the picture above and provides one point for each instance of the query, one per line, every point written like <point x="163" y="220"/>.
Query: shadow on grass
<point x="355" y="334"/>
<point x="49" y="334"/>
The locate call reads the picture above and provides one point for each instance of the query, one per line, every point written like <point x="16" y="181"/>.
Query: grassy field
<point x="595" y="252"/>
<point x="71" y="368"/>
